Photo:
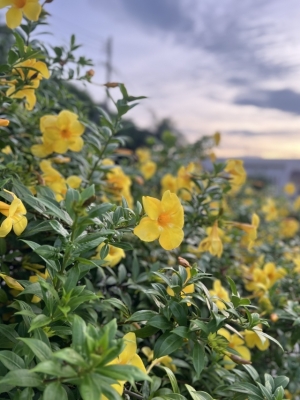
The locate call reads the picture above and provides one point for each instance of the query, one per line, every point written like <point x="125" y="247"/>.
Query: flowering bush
<point x="92" y="305"/>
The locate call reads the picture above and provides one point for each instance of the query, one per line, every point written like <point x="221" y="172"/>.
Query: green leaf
<point x="50" y="367"/>
<point x="281" y="381"/>
<point x="198" y="358"/>
<point x="70" y="356"/>
<point x="39" y="348"/>
<point x="22" y="378"/>
<point x="142" y="315"/>
<point x="39" y="321"/>
<point x="78" y="333"/>
<point x="11" y="360"/>
<point x="172" y="379"/>
<point x="167" y="344"/>
<point x="161" y="322"/>
<point x="198" y="395"/>
<point x="54" y="210"/>
<point x="90" y="387"/>
<point x="55" y="391"/>
<point x="57" y="227"/>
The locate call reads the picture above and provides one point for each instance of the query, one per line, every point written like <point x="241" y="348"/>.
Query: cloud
<point x="286" y="100"/>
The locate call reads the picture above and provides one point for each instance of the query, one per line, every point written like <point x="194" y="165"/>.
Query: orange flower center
<point x="164" y="219"/>
<point x="19" y="3"/>
<point x="66" y="134"/>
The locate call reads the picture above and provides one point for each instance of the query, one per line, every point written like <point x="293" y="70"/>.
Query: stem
<point x="132" y="394"/>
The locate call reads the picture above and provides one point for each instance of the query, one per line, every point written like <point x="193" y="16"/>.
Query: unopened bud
<point x="4" y="122"/>
<point x="90" y="73"/>
<point x="182" y="261"/>
<point x="139" y="180"/>
<point x="111" y="84"/>
<point x="48" y="1"/>
<point x="274" y="317"/>
<point x="237" y="359"/>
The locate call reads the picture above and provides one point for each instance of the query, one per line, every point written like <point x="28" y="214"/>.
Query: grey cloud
<point x="284" y="100"/>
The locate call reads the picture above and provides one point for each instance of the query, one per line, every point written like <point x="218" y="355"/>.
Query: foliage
<point x="93" y="306"/>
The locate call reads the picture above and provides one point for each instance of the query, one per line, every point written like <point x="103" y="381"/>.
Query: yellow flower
<point x="56" y="182"/>
<point x="217" y="138"/>
<point x="212" y="157"/>
<point x="297" y="203"/>
<point x="11" y="282"/>
<point x="186" y="289"/>
<point x="289" y="227"/>
<point x="221" y="293"/>
<point x="289" y="188"/>
<point x="269" y="208"/>
<point x="4" y="122"/>
<point x="252" y="339"/>
<point x="164" y="222"/>
<point x="32" y="72"/>
<point x="237" y="344"/>
<point x="148" y="169"/>
<point x="6" y="150"/>
<point x="272" y="273"/>
<point x="30" y="8"/>
<point x="165" y="360"/>
<point x="127" y="357"/>
<point x="15" y="216"/>
<point x="250" y="229"/>
<point x="118" y="185"/>
<point x="185" y="184"/>
<point x="235" y="168"/>
<point x="33" y="279"/>
<point x="61" y="133"/>
<point x="114" y="256"/>
<point x="143" y="155"/>
<point x="169" y="182"/>
<point x="212" y="243"/>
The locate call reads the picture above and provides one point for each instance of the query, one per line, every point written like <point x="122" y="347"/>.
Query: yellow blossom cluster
<point x="117" y="183"/>
<point x="56" y="182"/>
<point x="147" y="166"/>
<point x="30" y="72"/>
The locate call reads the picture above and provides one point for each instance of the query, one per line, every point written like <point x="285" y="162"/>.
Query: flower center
<point x="19" y="3"/>
<point x="65" y="133"/>
<point x="164" y="219"/>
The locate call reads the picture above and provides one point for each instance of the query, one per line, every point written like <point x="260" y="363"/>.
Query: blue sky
<point x="209" y="65"/>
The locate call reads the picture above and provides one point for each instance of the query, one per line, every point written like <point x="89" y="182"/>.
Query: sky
<point x="229" y="65"/>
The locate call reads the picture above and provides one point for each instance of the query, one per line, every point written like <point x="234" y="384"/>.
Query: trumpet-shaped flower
<point x="270" y="209"/>
<point x="185" y="184"/>
<point x="11" y="282"/>
<point x="30" y="8"/>
<point x="164" y="221"/>
<point x="143" y="154"/>
<point x="118" y="185"/>
<point x="114" y="256"/>
<point x="15" y="216"/>
<point x="217" y="138"/>
<point x="165" y="360"/>
<point x="237" y="344"/>
<point x="219" y="291"/>
<point x="61" y="133"/>
<point x="289" y="189"/>
<point x="169" y="182"/>
<point x="252" y="339"/>
<point x="235" y="168"/>
<point x="56" y="182"/>
<point x="212" y="242"/>
<point x="148" y="169"/>
<point x="289" y="227"/>
<point x="249" y="229"/>
<point x="31" y="72"/>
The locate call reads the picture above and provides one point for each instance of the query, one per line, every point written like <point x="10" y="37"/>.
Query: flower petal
<point x="171" y="238"/>
<point x="130" y="348"/>
<point x="20" y="225"/>
<point x="5" y="227"/>
<point x="32" y="11"/>
<point x="171" y="204"/>
<point x="13" y="17"/>
<point x="147" y="230"/>
<point x="137" y="362"/>
<point x="152" y="207"/>
<point x="77" y="144"/>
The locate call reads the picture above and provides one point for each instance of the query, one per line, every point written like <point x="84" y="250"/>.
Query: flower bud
<point x="182" y="261"/>
<point x="274" y="317"/>
<point x="90" y="73"/>
<point x="111" y="84"/>
<point x="237" y="359"/>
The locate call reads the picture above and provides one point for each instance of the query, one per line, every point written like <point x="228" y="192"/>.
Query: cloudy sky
<point x="228" y="65"/>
